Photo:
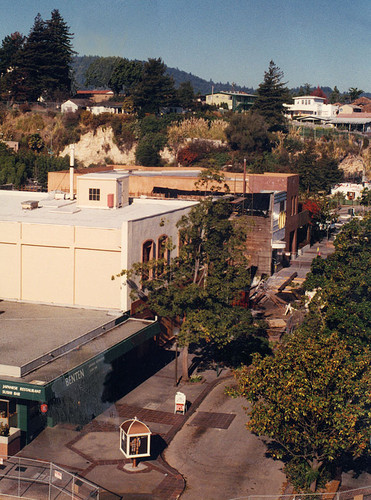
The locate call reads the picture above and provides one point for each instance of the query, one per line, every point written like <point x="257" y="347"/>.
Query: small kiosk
<point x="135" y="440"/>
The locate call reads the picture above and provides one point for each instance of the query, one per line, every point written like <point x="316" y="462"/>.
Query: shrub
<point x="147" y="154"/>
<point x="123" y="131"/>
<point x="71" y="119"/>
<point x="204" y="153"/>
<point x="187" y="157"/>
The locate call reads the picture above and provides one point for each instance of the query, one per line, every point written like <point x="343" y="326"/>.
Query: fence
<point x="37" y="480"/>
<point x="363" y="493"/>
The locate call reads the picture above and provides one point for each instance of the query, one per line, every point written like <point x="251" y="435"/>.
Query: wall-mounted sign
<point x="44" y="408"/>
<point x="24" y="391"/>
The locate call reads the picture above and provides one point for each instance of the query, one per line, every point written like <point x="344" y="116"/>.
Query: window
<point x="94" y="194"/>
<point x="148" y="254"/>
<point x="163" y="253"/>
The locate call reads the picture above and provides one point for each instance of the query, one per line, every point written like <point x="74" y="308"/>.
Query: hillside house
<point x="309" y="106"/>
<point x="236" y="101"/>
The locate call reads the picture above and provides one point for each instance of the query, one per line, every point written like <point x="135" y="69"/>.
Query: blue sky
<point x="322" y="42"/>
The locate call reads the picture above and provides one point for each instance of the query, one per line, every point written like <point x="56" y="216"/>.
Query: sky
<point x="320" y="42"/>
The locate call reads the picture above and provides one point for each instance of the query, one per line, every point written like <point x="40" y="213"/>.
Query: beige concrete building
<point x="65" y="251"/>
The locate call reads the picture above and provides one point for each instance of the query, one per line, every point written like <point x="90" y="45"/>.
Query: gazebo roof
<point x="134" y="427"/>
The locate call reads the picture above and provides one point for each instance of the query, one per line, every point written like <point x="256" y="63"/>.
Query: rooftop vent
<point x="29" y="204"/>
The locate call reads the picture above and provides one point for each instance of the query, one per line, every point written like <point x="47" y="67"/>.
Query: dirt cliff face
<point x="98" y="147"/>
<point x="354" y="165"/>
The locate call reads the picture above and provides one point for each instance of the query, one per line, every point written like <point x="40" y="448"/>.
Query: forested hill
<point x="82" y="63"/>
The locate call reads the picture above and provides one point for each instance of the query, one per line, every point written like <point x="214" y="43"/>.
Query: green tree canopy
<point x="312" y="398"/>
<point x="199" y="286"/>
<point x="155" y="88"/>
<point x="343" y="284"/>
<point x="317" y="173"/>
<point x="39" y="65"/>
<point x="100" y="71"/>
<point x="185" y="95"/>
<point x="272" y="94"/>
<point x="58" y="80"/>
<point x="335" y="96"/>
<point x="248" y="133"/>
<point x="125" y="76"/>
<point x="12" y="76"/>
<point x="354" y="93"/>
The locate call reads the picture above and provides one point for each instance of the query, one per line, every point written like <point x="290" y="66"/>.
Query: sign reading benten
<point x="77" y="375"/>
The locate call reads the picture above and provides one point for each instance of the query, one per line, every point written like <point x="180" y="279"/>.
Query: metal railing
<point x="38" y="480"/>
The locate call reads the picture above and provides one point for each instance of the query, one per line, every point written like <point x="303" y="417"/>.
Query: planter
<point x="10" y="445"/>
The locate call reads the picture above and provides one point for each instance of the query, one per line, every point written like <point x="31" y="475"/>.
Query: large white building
<point x="311" y="106"/>
<point x="65" y="251"/>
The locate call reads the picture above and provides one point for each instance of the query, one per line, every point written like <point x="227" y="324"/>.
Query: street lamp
<point x="176" y="333"/>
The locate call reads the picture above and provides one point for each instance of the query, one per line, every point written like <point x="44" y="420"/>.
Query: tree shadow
<point x="236" y="353"/>
<point x="158" y="445"/>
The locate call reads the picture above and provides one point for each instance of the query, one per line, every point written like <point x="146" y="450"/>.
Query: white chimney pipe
<point x="72" y="170"/>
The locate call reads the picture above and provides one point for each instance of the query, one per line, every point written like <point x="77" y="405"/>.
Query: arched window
<point x="163" y="253"/>
<point x="148" y="254"/>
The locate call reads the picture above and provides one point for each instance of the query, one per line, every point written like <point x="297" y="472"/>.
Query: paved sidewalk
<point x="93" y="452"/>
<point x="211" y="445"/>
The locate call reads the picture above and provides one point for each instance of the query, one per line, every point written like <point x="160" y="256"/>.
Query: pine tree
<point x="59" y="53"/>
<point x="35" y="59"/>
<point x="272" y="94"/>
<point x="13" y="83"/>
<point x="155" y="90"/>
<point x="47" y="58"/>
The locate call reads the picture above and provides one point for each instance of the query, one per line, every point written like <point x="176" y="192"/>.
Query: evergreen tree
<point x="334" y="96"/>
<point x="125" y="76"/>
<point x="45" y="59"/>
<point x="13" y="83"/>
<point x="185" y="95"/>
<point x="272" y="94"/>
<point x="34" y="55"/>
<point x="155" y="89"/>
<point x="59" y="55"/>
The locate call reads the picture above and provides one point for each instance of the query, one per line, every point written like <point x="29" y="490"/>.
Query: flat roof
<point x="110" y="174"/>
<point x="67" y="213"/>
<point x="28" y="331"/>
<point x="22" y="323"/>
<point x="360" y="120"/>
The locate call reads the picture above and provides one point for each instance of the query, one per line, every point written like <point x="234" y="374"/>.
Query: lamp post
<point x="176" y="333"/>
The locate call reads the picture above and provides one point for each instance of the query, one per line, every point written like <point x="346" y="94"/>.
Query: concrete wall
<point x="135" y="233"/>
<point x="60" y="264"/>
<point x="106" y="187"/>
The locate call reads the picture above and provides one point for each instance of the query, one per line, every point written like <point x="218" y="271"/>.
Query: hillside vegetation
<point x="206" y="139"/>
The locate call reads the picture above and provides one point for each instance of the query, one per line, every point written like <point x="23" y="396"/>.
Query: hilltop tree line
<point x="43" y="65"/>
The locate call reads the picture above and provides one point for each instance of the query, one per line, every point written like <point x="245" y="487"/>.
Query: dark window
<point x="94" y="194"/>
